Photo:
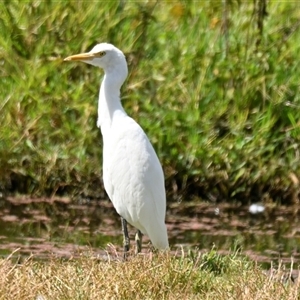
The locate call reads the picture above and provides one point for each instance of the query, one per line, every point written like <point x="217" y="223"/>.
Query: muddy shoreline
<point x="45" y="227"/>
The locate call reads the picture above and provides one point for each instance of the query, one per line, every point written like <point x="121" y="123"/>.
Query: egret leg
<point x="138" y="240"/>
<point x="126" y="240"/>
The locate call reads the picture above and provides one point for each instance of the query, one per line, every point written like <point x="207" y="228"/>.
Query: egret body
<point x="132" y="174"/>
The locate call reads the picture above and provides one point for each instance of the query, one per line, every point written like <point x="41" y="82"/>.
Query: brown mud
<point x="62" y="228"/>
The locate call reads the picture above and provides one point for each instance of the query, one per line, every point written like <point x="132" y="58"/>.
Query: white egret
<point x="132" y="174"/>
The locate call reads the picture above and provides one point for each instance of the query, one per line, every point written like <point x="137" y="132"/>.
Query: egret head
<point x="105" y="56"/>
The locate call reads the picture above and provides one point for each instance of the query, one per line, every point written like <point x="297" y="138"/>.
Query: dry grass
<point x="148" y="276"/>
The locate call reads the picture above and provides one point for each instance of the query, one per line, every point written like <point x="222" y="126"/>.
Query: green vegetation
<point x="148" y="276"/>
<point x="215" y="84"/>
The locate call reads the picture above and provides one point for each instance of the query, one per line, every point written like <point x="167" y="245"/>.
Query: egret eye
<point x="100" y="54"/>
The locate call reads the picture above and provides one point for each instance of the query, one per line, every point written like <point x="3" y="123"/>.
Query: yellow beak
<point x="81" y="56"/>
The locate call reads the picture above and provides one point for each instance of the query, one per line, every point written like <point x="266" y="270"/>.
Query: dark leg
<point x="138" y="240"/>
<point x="126" y="240"/>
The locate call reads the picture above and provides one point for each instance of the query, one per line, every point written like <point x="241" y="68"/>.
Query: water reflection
<point x="57" y="226"/>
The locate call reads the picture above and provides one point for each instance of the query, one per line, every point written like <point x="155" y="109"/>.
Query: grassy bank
<point x="206" y="276"/>
<point x="216" y="88"/>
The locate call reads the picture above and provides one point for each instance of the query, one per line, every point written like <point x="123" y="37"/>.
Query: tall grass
<point x="198" y="276"/>
<point x="218" y="97"/>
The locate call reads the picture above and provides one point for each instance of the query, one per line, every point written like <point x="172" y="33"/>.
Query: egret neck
<point x="109" y="105"/>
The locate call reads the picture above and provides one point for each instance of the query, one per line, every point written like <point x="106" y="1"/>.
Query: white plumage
<point x="132" y="174"/>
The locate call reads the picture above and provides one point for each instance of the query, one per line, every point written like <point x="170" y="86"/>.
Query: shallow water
<point x="58" y="227"/>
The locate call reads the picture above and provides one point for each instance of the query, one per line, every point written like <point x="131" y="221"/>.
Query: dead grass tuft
<point x="147" y="276"/>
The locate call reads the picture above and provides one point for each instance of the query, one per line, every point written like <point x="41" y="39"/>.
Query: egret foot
<point x="138" y="241"/>
<point x="126" y="241"/>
